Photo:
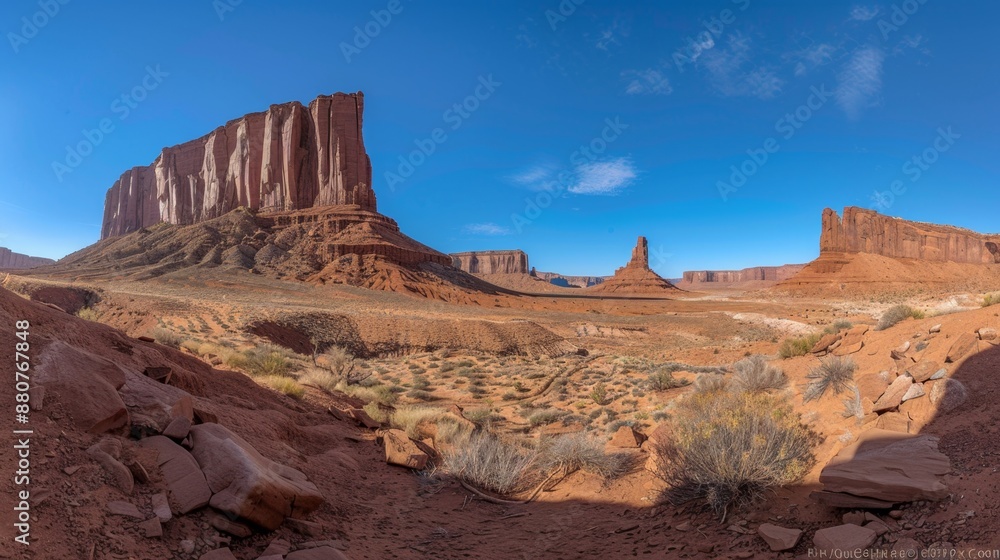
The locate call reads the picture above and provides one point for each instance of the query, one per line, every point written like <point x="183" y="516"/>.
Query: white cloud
<point x="603" y="177"/>
<point x="864" y="13"/>
<point x="487" y="228"/>
<point x="860" y="81"/>
<point x="610" y="35"/>
<point x="732" y="72"/>
<point x="914" y="42"/>
<point x="532" y="176"/>
<point x="647" y="82"/>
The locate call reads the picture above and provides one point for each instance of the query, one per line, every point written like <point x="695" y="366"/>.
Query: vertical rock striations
<point x="289" y="157"/>
<point x="747" y="275"/>
<point x="492" y="262"/>
<point x="16" y="261"/>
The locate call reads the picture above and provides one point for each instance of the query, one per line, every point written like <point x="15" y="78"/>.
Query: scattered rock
<point x="125" y="509"/>
<point x="887" y="466"/>
<point x="121" y="475"/>
<point x="915" y="391"/>
<point x="900" y="351"/>
<point x="948" y="394"/>
<point x="146" y="339"/>
<point x="987" y="334"/>
<point x="879" y="527"/>
<point x="684" y="527"/>
<point x="364" y="419"/>
<point x="159" y="373"/>
<point x="923" y="370"/>
<point x="779" y="538"/>
<point x="893" y="395"/>
<point x="825" y="343"/>
<point x="908" y="545"/>
<point x="303" y="527"/>
<point x="152" y="528"/>
<point x="178" y="428"/>
<point x="228" y="526"/>
<point x="894" y="422"/>
<point x="161" y="507"/>
<point x="935" y="329"/>
<point x="246" y="484"/>
<point x="844" y="538"/>
<point x="218" y="554"/>
<point x="138" y="471"/>
<point x="185" y="481"/>
<point x="853" y="518"/>
<point x="278" y="547"/>
<point x="400" y="450"/>
<point x="966" y="343"/>
<point x="86" y="384"/>
<point x="939" y="374"/>
<point x="627" y="438"/>
<point x="872" y="385"/>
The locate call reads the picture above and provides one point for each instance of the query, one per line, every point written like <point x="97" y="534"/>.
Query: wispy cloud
<point x="647" y="82"/>
<point x="860" y="81"/>
<point x="533" y="175"/>
<point x="609" y="36"/>
<point x="812" y="57"/>
<point x="864" y="13"/>
<point x="912" y="42"/>
<point x="487" y="228"/>
<point x="603" y="177"/>
<point x="733" y="74"/>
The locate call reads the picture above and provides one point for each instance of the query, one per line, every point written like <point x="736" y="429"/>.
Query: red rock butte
<point x="289" y="157"/>
<point x="491" y="262"/>
<point x="16" y="261"/>
<point x="636" y="277"/>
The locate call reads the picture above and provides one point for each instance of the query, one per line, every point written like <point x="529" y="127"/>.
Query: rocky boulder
<point x="247" y="485"/>
<point x="844" y="538"/>
<point x="87" y="385"/>
<point x="186" y="483"/>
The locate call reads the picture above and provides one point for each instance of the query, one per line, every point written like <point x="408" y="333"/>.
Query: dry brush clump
<point x="756" y="375"/>
<point x="494" y="464"/>
<point x="573" y="452"/>
<point x="727" y="447"/>
<point x="834" y="374"/>
<point x="896" y="315"/>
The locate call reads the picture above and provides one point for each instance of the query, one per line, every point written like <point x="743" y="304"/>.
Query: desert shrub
<point x="409" y="418"/>
<point x="319" y="378"/>
<point x="834" y="374"/>
<point x="662" y="379"/>
<point x="420" y="383"/>
<point x="710" y="383"/>
<point x="599" y="394"/>
<point x="451" y="430"/>
<point x="267" y="360"/>
<point x="283" y="384"/>
<point x="377" y="413"/>
<point x="837" y="326"/>
<point x="420" y="395"/>
<point x="755" y="375"/>
<point x="192" y="345"/>
<point x="483" y="417"/>
<point x="896" y="315"/>
<point x="852" y="405"/>
<point x="87" y="314"/>
<point x="166" y="337"/>
<point x="381" y="394"/>
<point x="490" y="463"/>
<point x="573" y="452"/>
<point x="545" y="417"/>
<point x="727" y="448"/>
<point x="800" y="346"/>
<point x="989" y="300"/>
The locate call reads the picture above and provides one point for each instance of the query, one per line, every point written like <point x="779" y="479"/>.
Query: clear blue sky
<point x="695" y="86"/>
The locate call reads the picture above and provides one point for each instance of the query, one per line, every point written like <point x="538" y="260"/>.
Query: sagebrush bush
<point x="896" y="315"/>
<point x="836" y="374"/>
<point x="990" y="300"/>
<point x="545" y="417"/>
<point x="573" y="452"/>
<point x="727" y="448"/>
<point x="710" y="383"/>
<point x="87" y="314"/>
<point x="662" y="379"/>
<point x="409" y="418"/>
<point x="490" y="463"/>
<point x="852" y="405"/>
<point x="755" y="375"/>
<point x="800" y="346"/>
<point x="283" y="384"/>
<point x="320" y="378"/>
<point x="166" y="337"/>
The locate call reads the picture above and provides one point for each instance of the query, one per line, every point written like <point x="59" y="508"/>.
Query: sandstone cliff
<point x="867" y="231"/>
<point x="16" y="261"/>
<point x="747" y="275"/>
<point x="569" y="281"/>
<point x="289" y="157"/>
<point x="491" y="262"/>
<point x="636" y="277"/>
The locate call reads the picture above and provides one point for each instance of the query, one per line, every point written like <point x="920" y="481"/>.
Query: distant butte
<point x="636" y="277"/>
<point x="10" y="260"/>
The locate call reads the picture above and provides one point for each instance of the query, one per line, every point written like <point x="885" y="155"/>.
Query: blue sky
<point x="595" y="121"/>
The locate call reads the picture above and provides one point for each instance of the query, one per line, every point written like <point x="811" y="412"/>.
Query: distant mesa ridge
<point x="16" y="261"/>
<point x="290" y="157"/>
<point x="747" y="275"/>
<point x="866" y="231"/>
<point x="491" y="262"/>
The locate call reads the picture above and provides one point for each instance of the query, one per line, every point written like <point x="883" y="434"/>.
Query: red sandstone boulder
<point x="86" y="384"/>
<point x="402" y="451"/>
<point x="185" y="481"/>
<point x="248" y="485"/>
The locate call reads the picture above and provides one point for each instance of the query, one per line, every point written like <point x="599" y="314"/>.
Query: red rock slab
<point x="186" y="483"/>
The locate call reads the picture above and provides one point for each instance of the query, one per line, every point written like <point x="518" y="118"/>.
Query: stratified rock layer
<point x="636" y="277"/>
<point x="747" y="275"/>
<point x="867" y="231"/>
<point x="491" y="262"/>
<point x="569" y="281"/>
<point x="289" y="157"/>
<point x="16" y="261"/>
